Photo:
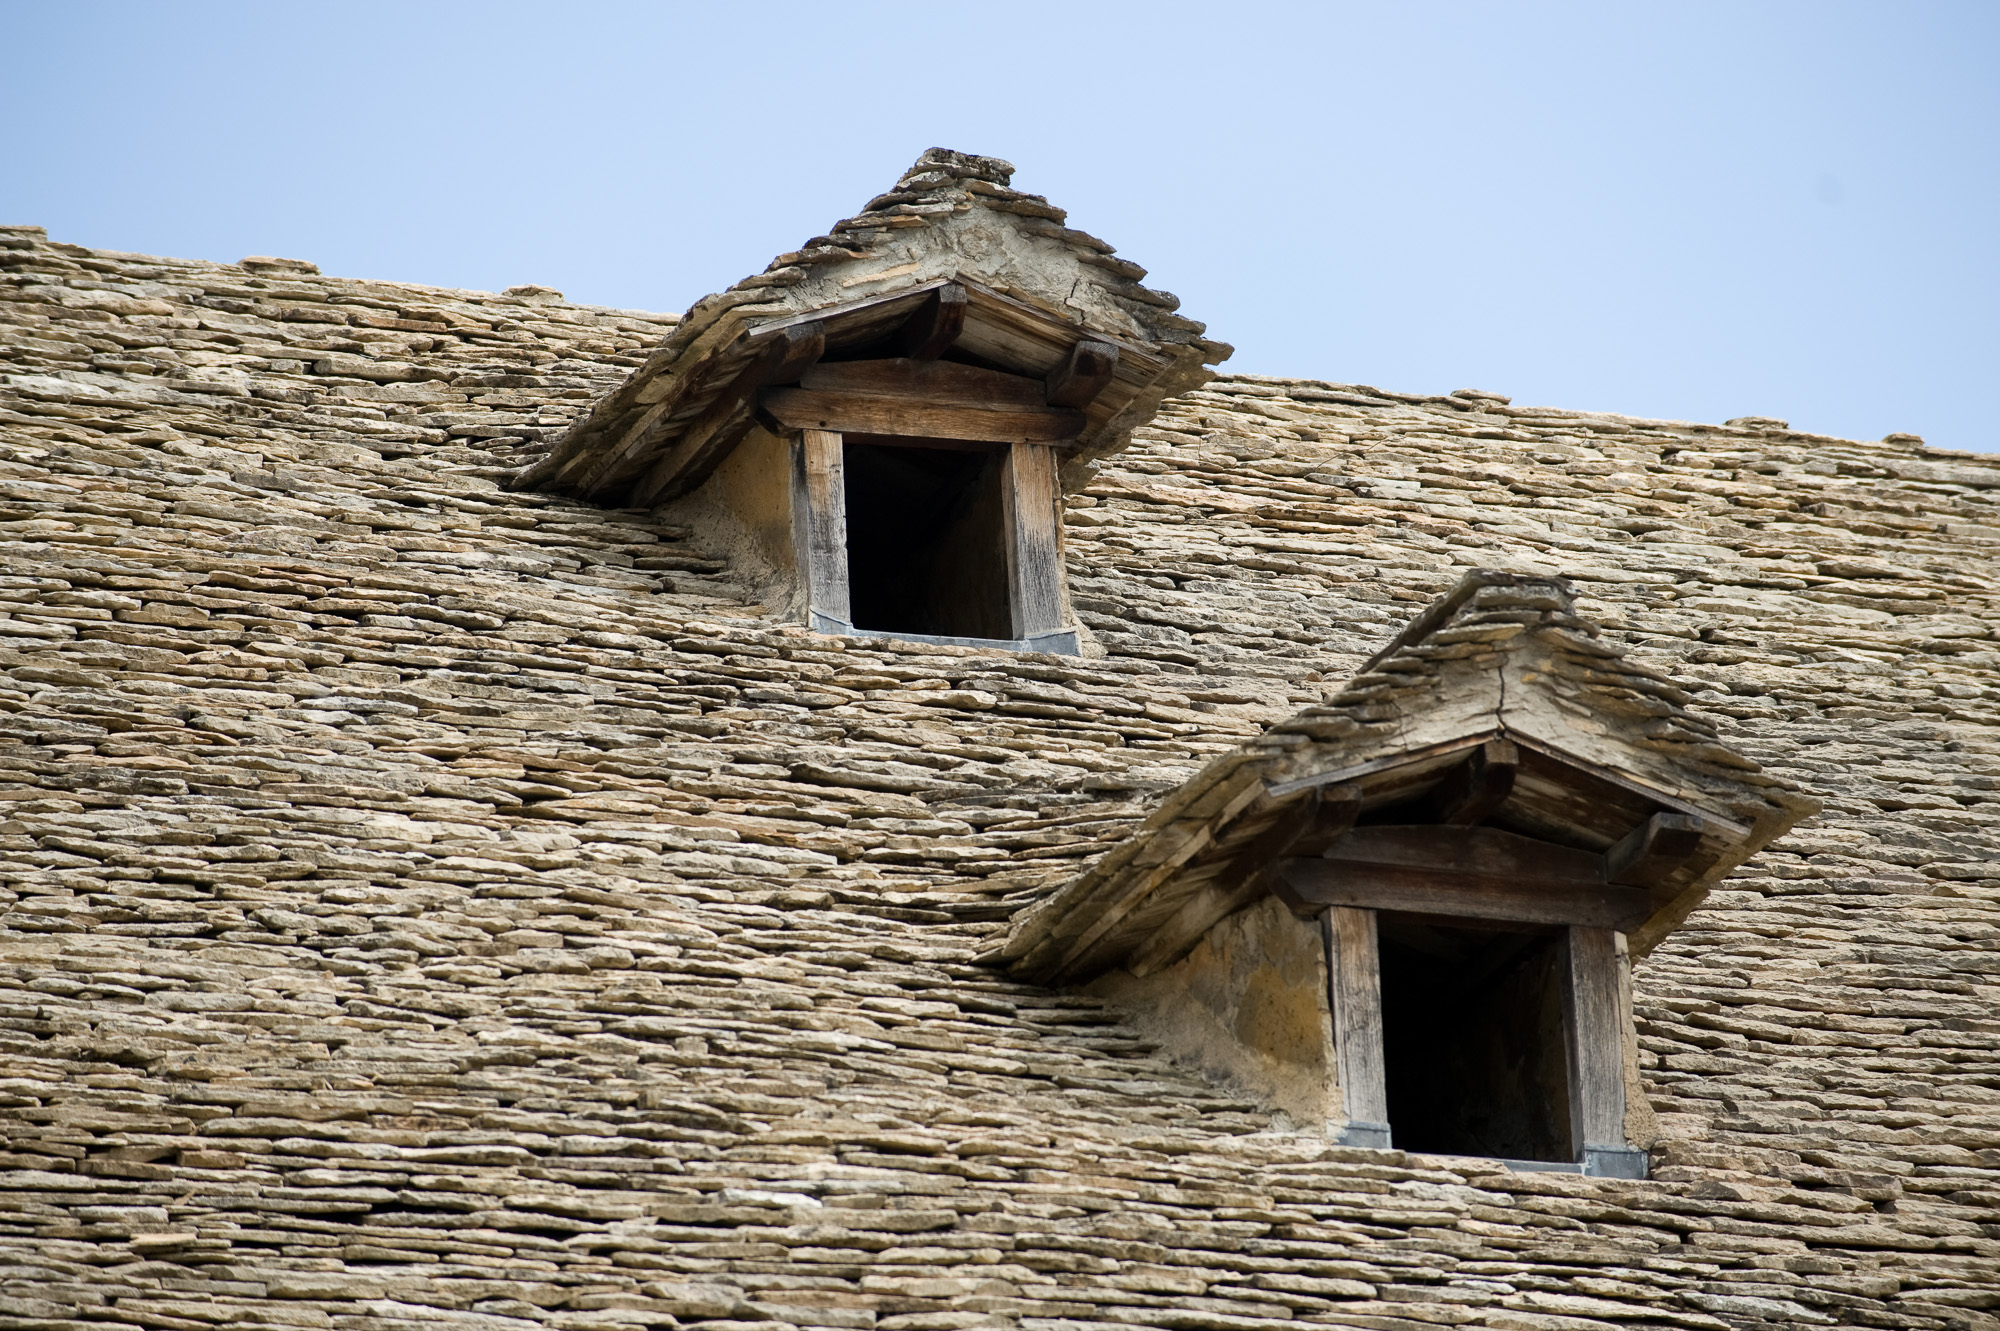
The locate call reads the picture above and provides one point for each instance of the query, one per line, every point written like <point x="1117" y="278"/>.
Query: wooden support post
<point x="1593" y="1007"/>
<point x="1354" y="980"/>
<point x="1029" y="496"/>
<point x="819" y="528"/>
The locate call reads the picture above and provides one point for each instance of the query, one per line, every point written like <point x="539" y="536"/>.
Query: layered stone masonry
<point x="431" y="905"/>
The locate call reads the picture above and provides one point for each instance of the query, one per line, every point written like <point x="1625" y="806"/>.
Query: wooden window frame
<point x="1596" y="1015"/>
<point x="1031" y="502"/>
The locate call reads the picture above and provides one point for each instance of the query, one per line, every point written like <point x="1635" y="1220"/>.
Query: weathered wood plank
<point x="1079" y="379"/>
<point x="1425" y="892"/>
<point x="1354" y="982"/>
<point x="1474" y="853"/>
<point x="939" y="382"/>
<point x="1596" y="1024"/>
<point x="1033" y="535"/>
<point x="819" y="522"/>
<point x="858" y="413"/>
<point x="1476" y="872"/>
<point x="935" y="325"/>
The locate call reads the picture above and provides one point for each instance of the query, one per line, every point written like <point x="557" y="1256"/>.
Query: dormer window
<point x="1446" y="870"/>
<point x="876" y="428"/>
<point x="924" y="495"/>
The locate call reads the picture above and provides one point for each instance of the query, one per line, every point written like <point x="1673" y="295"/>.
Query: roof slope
<point x="423" y="899"/>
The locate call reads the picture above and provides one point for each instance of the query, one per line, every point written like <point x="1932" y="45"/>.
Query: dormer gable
<point x="882" y="417"/>
<point x="1499" y="798"/>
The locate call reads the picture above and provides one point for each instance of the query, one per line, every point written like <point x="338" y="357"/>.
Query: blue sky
<point x="1692" y="210"/>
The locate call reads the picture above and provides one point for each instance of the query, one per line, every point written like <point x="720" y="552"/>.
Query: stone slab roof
<point x="950" y="218"/>
<point x="1612" y="742"/>
<point x="430" y="905"/>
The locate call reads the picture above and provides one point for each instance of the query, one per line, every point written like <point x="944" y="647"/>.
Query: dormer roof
<point x="950" y="252"/>
<point x="1497" y="706"/>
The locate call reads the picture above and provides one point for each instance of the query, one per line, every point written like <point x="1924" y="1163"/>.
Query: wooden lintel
<point x="1083" y="375"/>
<point x="1322" y="883"/>
<point x="1477" y="872"/>
<point x="935" y="325"/>
<point x="785" y="356"/>
<point x="933" y="382"/>
<point x="859" y="413"/>
<point x="1654" y="849"/>
<point x="1474" y="790"/>
<point x="1476" y="852"/>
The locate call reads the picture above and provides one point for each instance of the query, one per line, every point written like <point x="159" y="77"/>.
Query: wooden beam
<point x="819" y="525"/>
<point x="1596" y="1025"/>
<point x="702" y="442"/>
<point x="1477" y="854"/>
<point x="1474" y="872"/>
<point x="938" y="382"/>
<point x="1085" y="374"/>
<point x="1654" y="849"/>
<point x="1354" y="993"/>
<point x="1473" y="791"/>
<point x="1032" y="528"/>
<point x="857" y="413"/>
<point x="935" y="326"/>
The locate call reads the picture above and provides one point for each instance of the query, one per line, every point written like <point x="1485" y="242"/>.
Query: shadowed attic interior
<point x="1409" y="912"/>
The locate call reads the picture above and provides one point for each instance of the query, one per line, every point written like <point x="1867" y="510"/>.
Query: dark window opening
<point x="1473" y="1035"/>
<point x="925" y="541"/>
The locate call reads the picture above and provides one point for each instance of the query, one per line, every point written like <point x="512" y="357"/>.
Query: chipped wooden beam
<point x="1089" y="367"/>
<point x="1655" y="848"/>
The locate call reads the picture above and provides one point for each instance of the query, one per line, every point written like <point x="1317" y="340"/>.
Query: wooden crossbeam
<point x="1476" y="872"/>
<point x="867" y="413"/>
<point x="935" y="326"/>
<point x="1083" y="375"/>
<point x="936" y="382"/>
